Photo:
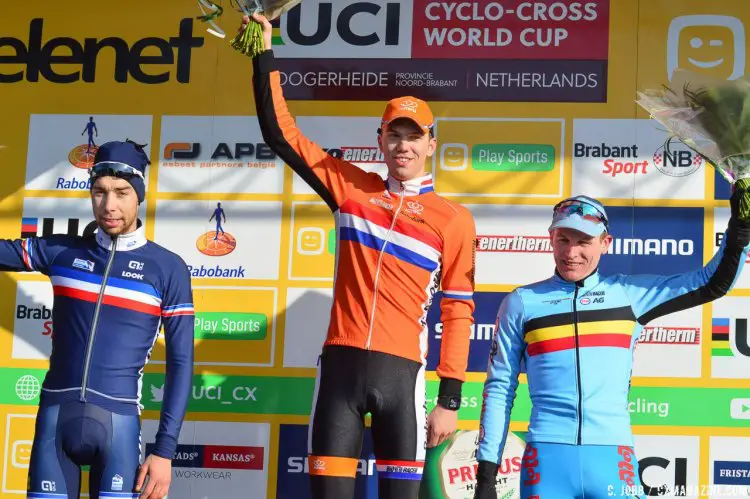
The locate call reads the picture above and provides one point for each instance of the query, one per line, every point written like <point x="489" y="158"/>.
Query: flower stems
<point x="250" y="41"/>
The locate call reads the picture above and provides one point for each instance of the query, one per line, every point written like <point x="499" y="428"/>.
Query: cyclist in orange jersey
<point x="398" y="243"/>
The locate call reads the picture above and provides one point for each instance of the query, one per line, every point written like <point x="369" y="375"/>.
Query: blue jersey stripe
<point x="408" y="256"/>
<point x="80" y="275"/>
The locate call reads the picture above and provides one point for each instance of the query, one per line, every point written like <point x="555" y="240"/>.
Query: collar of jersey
<point x="126" y="242"/>
<point x="587" y="282"/>
<point x="413" y="187"/>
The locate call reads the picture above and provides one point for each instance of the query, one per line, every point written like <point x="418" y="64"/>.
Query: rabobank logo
<point x="82" y="155"/>
<point x="661" y="241"/>
<point x="217" y="242"/>
<point x="219" y="238"/>
<point x="62" y="147"/>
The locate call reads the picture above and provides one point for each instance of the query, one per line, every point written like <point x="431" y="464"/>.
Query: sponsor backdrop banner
<point x="534" y="101"/>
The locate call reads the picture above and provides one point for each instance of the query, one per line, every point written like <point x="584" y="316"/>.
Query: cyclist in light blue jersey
<point x="575" y="333"/>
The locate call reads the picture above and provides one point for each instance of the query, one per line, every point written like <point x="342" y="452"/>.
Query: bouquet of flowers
<point x="712" y="117"/>
<point x="250" y="40"/>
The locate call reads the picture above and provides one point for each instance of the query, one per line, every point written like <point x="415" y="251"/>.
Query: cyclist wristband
<point x="449" y="394"/>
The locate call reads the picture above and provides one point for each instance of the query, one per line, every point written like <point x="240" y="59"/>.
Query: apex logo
<point x="182" y="150"/>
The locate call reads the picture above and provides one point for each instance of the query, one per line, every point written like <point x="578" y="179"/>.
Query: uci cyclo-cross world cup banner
<point x="534" y="101"/>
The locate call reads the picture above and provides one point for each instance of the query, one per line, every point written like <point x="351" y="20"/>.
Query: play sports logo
<point x="497" y="157"/>
<point x="710" y="44"/>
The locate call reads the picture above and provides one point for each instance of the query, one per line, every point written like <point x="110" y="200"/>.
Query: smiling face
<point x="21" y="454"/>
<point x="453" y="156"/>
<point x="707" y="49"/>
<point x="311" y="240"/>
<point x="577" y="254"/>
<point x="406" y="148"/>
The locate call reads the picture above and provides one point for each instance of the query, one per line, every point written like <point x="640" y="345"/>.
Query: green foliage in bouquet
<point x="712" y="117"/>
<point x="250" y="41"/>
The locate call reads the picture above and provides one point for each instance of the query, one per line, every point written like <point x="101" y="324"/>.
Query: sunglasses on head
<point x="585" y="210"/>
<point x="114" y="169"/>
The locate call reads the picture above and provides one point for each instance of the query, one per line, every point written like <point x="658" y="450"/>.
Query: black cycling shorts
<point x="350" y="383"/>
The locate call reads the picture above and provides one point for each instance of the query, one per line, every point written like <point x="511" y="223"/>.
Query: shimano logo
<point x="666" y="247"/>
<point x="132" y="275"/>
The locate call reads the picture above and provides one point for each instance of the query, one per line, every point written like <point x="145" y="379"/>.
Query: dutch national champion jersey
<point x="577" y="342"/>
<point x="398" y="244"/>
<point x="111" y="297"/>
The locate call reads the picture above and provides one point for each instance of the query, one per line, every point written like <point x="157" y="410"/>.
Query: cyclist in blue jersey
<point x="575" y="333"/>
<point x="113" y="291"/>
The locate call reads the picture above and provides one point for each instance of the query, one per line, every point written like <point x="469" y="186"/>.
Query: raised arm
<point x="653" y="296"/>
<point x="327" y="176"/>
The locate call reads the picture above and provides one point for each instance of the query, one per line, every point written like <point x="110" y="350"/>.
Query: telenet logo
<point x="710" y="44"/>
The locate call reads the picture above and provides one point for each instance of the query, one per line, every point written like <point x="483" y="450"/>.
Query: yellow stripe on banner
<point x="720" y="344"/>
<point x="599" y="327"/>
<point x="703" y="466"/>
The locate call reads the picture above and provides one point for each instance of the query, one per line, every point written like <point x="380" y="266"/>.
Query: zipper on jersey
<point x="380" y="263"/>
<point x="95" y="321"/>
<point x="578" y="366"/>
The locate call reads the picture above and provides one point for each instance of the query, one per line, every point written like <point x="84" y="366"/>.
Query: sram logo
<point x="344" y="29"/>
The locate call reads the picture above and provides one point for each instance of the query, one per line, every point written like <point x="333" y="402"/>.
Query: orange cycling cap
<point x="411" y="108"/>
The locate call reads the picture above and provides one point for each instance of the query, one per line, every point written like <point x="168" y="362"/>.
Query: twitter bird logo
<point x="157" y="393"/>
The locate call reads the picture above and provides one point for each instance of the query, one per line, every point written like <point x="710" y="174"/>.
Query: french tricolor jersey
<point x="109" y="307"/>
<point x="398" y="244"/>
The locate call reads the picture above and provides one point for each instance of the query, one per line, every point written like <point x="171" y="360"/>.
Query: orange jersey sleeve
<point x="457" y="305"/>
<point x="330" y="177"/>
